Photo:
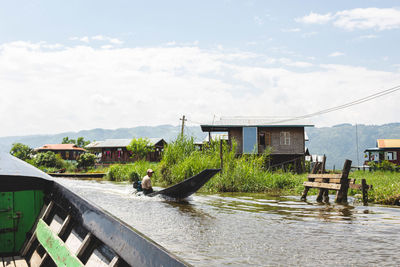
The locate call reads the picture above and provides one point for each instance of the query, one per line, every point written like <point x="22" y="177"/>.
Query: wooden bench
<point x="338" y="182"/>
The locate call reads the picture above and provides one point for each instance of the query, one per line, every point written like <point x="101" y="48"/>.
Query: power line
<point x="352" y="103"/>
<point x="328" y="110"/>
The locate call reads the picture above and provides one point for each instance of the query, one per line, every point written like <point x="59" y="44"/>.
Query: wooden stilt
<point x="364" y="188"/>
<point x="341" y="195"/>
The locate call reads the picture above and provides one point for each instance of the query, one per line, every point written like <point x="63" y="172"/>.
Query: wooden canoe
<point x="188" y="186"/>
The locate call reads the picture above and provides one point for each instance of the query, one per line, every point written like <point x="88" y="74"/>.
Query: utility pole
<point x="358" y="159"/>
<point x="183" y="124"/>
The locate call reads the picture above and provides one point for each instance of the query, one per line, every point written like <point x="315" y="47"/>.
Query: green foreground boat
<point x="42" y="223"/>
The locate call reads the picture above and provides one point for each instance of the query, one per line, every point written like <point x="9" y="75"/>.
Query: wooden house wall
<point x="65" y="154"/>
<point x="125" y="156"/>
<point x="272" y="137"/>
<point x="114" y="154"/>
<point x="382" y="155"/>
<point x="296" y="146"/>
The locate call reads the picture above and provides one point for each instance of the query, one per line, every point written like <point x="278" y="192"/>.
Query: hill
<point x="338" y="142"/>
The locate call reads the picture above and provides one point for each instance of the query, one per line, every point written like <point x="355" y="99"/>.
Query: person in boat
<point x="146" y="182"/>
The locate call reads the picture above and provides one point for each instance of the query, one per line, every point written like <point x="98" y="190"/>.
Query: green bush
<point x="48" y="159"/>
<point x="86" y="160"/>
<point x="131" y="172"/>
<point x="21" y="151"/>
<point x="139" y="148"/>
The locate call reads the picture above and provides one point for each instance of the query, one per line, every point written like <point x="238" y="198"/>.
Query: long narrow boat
<point x="44" y="224"/>
<point x="187" y="187"/>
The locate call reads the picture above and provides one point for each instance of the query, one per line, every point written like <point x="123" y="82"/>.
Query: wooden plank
<point x="325" y="175"/>
<point x="341" y="195"/>
<point x="20" y="262"/>
<point x="55" y="247"/>
<point x="322" y="185"/>
<point x="36" y="260"/>
<point x="115" y="262"/>
<point x="355" y="186"/>
<point x="87" y="247"/>
<point x="327" y="180"/>
<point x="65" y="225"/>
<point x="8" y="262"/>
<point x="45" y="211"/>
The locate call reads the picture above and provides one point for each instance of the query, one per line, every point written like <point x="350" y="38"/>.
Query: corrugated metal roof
<point x="60" y="147"/>
<point x="388" y="143"/>
<point x="119" y="142"/>
<point x="217" y="136"/>
<point x="257" y="121"/>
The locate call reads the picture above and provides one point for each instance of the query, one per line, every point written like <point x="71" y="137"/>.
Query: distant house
<point x="66" y="151"/>
<point x="115" y="150"/>
<point x="286" y="141"/>
<point x="386" y="149"/>
<point x="214" y="136"/>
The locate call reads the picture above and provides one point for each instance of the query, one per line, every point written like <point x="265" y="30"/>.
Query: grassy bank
<point x="386" y="186"/>
<point x="246" y="173"/>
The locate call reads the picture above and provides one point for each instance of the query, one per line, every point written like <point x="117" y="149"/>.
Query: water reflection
<point x="255" y="229"/>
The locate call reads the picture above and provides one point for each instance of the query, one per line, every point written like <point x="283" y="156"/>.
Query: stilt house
<point x="66" y="151"/>
<point x="386" y="149"/>
<point x="115" y="150"/>
<point x="286" y="140"/>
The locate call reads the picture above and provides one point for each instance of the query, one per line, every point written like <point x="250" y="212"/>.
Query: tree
<point x="21" y="151"/>
<point x="66" y="140"/>
<point x="49" y="159"/>
<point x="86" y="160"/>
<point x="80" y="142"/>
<point x="140" y="147"/>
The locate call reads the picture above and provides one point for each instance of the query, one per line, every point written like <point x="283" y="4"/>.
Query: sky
<point x="79" y="65"/>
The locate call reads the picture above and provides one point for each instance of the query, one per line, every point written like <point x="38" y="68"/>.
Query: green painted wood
<point x="55" y="247"/>
<point x="18" y="213"/>
<point x="27" y="206"/>
<point x="6" y="223"/>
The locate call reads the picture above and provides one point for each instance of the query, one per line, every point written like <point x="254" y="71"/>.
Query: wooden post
<point x="221" y="153"/>
<point x="341" y="195"/>
<point x="183" y="124"/>
<point x="364" y="188"/>
<point x="323" y="192"/>
<point x="307" y="188"/>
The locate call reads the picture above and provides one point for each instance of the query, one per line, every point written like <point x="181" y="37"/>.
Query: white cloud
<point x="368" y="18"/>
<point x="314" y="18"/>
<point x="292" y="30"/>
<point x="369" y="36"/>
<point x="299" y="64"/>
<point x="336" y="54"/>
<point x="86" y="39"/>
<point x="75" y="88"/>
<point x="358" y="19"/>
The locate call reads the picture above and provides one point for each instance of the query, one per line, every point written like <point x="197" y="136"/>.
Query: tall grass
<point x="245" y="173"/>
<point x="130" y="172"/>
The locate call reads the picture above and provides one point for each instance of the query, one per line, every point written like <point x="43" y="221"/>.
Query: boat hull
<point x="187" y="187"/>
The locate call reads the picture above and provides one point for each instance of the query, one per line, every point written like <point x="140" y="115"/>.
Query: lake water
<point x="255" y="229"/>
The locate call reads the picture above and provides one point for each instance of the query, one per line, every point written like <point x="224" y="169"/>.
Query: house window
<point x="285" y="138"/>
<point x="392" y="155"/>
<point x="268" y="139"/>
<point x="250" y="140"/>
<point x="261" y="139"/>
<point x="264" y="139"/>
